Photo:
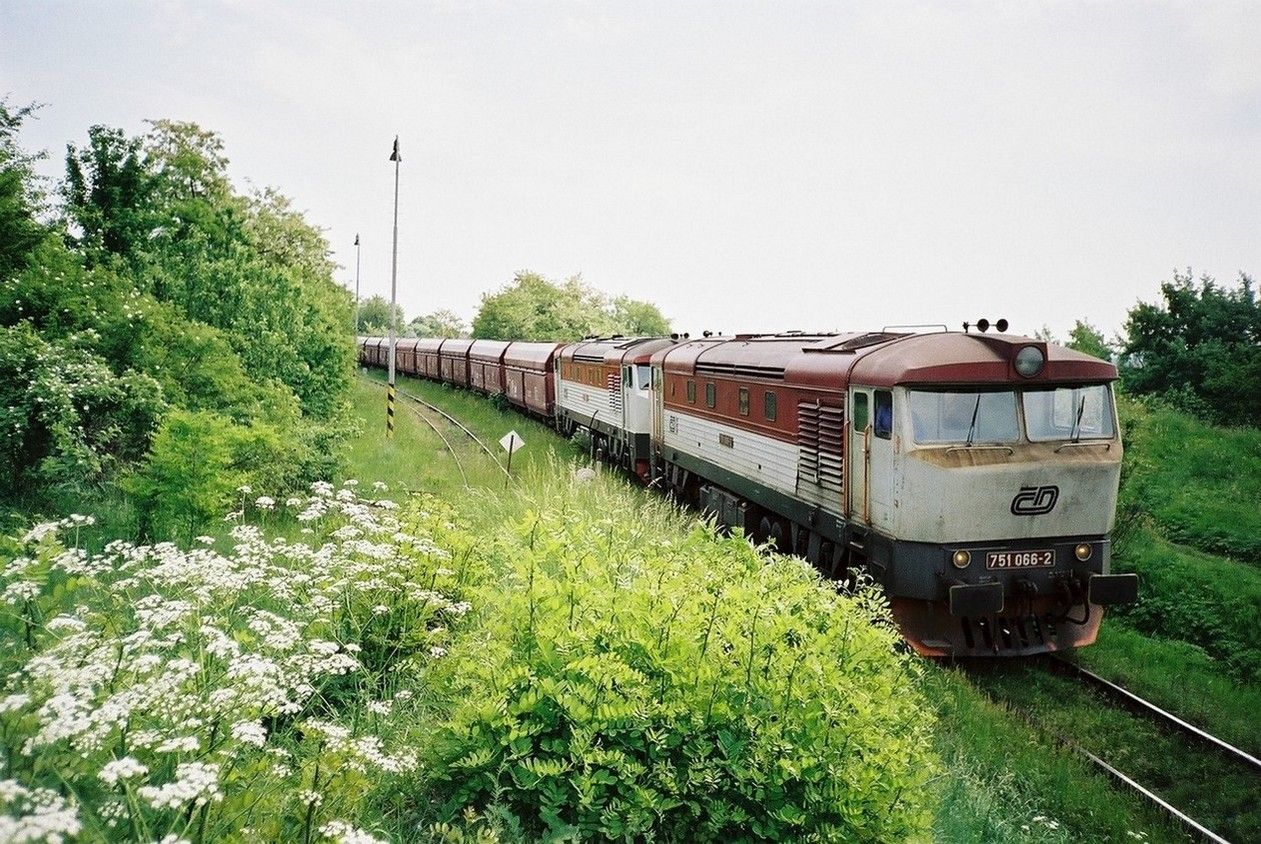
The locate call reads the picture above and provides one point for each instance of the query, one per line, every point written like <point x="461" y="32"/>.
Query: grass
<point x="1200" y="483"/>
<point x="1009" y="783"/>
<point x="1164" y="670"/>
<point x="1001" y="782"/>
<point x="1216" y="791"/>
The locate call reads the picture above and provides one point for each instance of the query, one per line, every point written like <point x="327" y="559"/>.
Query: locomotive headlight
<point x="1083" y="552"/>
<point x="961" y="559"/>
<point x="1029" y="361"/>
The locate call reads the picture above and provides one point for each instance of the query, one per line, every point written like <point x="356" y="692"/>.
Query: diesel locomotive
<point x="973" y="475"/>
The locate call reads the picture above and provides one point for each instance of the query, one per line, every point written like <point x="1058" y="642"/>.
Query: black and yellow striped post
<point x="389" y="411"/>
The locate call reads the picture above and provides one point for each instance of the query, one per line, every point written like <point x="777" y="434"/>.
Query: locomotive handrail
<point x="955" y="448"/>
<point x="1107" y="444"/>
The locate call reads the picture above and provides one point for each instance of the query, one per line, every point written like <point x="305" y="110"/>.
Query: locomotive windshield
<point x="1069" y="413"/>
<point x="1054" y="413"/>
<point x="963" y="417"/>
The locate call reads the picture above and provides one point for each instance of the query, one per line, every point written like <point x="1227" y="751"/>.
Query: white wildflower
<point x="264" y="502"/>
<point x="195" y="782"/>
<point x="249" y="732"/>
<point x="122" y="769"/>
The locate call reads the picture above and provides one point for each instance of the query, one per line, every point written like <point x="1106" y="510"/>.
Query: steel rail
<point x="1152" y="797"/>
<point x="422" y="417"/>
<point x="1145" y="707"/>
<point x="1173" y="812"/>
<point x="457" y="423"/>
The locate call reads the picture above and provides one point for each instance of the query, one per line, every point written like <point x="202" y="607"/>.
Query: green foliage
<point x="440" y="323"/>
<point x="66" y="420"/>
<point x="1199" y="483"/>
<point x="534" y="308"/>
<point x="166" y="288"/>
<point x="1087" y="339"/>
<point x="107" y="194"/>
<point x="374" y="316"/>
<point x="20" y="198"/>
<point x="1195" y="597"/>
<point x="1199" y="349"/>
<point x="246" y="690"/>
<point x="189" y="475"/>
<point x="631" y="684"/>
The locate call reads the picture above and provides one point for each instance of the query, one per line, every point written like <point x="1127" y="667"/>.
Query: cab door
<point x="658" y="408"/>
<point x="858" y="456"/>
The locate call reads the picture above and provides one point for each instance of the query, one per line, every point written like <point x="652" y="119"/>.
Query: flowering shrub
<point x="636" y="681"/>
<point x="202" y="693"/>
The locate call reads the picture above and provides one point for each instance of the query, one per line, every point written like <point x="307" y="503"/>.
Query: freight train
<point x="973" y="475"/>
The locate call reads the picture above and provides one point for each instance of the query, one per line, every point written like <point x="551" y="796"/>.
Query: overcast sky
<point x="745" y="166"/>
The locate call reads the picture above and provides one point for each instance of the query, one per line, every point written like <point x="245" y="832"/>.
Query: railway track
<point x="1198" y="743"/>
<point x="445" y="442"/>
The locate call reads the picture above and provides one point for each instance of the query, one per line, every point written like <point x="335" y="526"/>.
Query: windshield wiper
<point x="972" y="427"/>
<point x="1075" y="434"/>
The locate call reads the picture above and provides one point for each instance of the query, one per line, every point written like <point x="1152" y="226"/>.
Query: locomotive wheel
<point x="771" y="530"/>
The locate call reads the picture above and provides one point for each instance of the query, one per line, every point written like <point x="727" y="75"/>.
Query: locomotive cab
<point x="990" y="505"/>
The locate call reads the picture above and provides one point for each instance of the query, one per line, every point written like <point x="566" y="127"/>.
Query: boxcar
<point x="530" y="376"/>
<point x="453" y="362"/>
<point x="486" y="366"/>
<point x="405" y="352"/>
<point x="427" y="353"/>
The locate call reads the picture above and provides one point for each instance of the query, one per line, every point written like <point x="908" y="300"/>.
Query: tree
<point x="1199" y="349"/>
<point x="107" y="193"/>
<point x="631" y="316"/>
<point x="1087" y="339"/>
<point x="374" y="316"/>
<point x="20" y="197"/>
<point x="440" y="323"/>
<point x="534" y="308"/>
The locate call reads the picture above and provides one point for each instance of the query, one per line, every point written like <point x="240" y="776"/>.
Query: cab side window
<point x="860" y="411"/>
<point x="710" y="395"/>
<point x="744" y="401"/>
<point x="691" y="392"/>
<point x="884" y="414"/>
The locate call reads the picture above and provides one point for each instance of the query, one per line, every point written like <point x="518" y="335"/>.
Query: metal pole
<point x="356" y="285"/>
<point x="389" y="411"/>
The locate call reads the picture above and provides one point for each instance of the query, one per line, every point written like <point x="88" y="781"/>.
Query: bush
<point x="158" y="693"/>
<point x="630" y="684"/>
<point x="1196" y="598"/>
<point x="1200" y="483"/>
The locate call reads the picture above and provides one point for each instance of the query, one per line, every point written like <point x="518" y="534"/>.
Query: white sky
<point x="745" y="166"/>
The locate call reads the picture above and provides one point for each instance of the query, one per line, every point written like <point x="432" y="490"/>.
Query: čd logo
<point x="1035" y="500"/>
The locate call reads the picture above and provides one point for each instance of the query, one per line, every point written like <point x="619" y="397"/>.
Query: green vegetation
<point x="1214" y="790"/>
<point x="1199" y="349"/>
<point x="1201" y="484"/>
<point x="533" y="308"/>
<point x="635" y="676"/>
<point x="995" y="783"/>
<point x="159" y="289"/>
<point x="374" y="321"/>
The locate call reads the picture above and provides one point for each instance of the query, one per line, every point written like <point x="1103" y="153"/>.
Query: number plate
<point x="1019" y="559"/>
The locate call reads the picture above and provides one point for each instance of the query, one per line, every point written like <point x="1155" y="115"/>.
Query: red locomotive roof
<point x="488" y="350"/>
<point x="527" y="355"/>
<point x="612" y="349"/>
<point x="877" y="359"/>
<point x="952" y="358"/>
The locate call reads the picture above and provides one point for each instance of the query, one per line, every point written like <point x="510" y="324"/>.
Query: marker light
<point x="1029" y="361"/>
<point x="1083" y="552"/>
<point x="961" y="559"/>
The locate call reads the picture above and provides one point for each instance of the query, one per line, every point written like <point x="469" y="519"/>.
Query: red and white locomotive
<point x="973" y="475"/>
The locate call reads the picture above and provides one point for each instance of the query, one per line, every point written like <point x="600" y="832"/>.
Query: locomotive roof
<point x="612" y="349"/>
<point x="878" y="359"/>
